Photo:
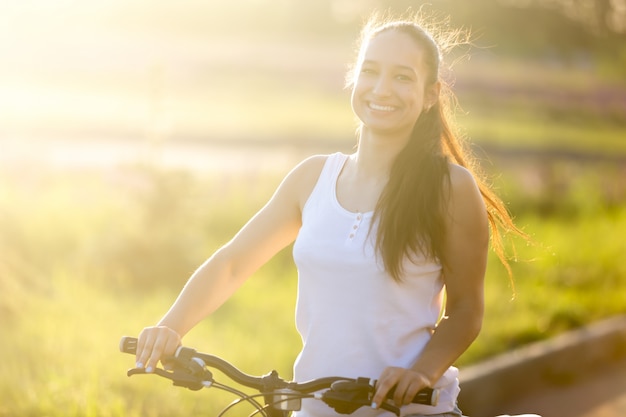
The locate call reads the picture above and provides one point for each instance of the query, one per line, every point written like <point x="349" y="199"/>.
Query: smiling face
<point x="392" y="85"/>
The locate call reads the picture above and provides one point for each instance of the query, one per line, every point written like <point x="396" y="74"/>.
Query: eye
<point x="367" y="70"/>
<point x="403" y="77"/>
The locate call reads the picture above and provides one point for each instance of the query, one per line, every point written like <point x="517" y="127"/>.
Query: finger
<point x="400" y="391"/>
<point x="141" y="342"/>
<point x="410" y="393"/>
<point x="384" y="385"/>
<point x="144" y="347"/>
<point x="157" y="352"/>
<point x="410" y="386"/>
<point x="381" y="393"/>
<point x="171" y="345"/>
<point x="166" y="343"/>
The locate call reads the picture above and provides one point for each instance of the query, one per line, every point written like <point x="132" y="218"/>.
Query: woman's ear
<point x="431" y="95"/>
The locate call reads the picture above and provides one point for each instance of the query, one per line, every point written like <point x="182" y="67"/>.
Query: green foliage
<point x="87" y="256"/>
<point x="569" y="275"/>
<point x="102" y="255"/>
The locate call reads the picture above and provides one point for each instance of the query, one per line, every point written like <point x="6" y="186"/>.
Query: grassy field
<point x="88" y="255"/>
<point x="91" y="256"/>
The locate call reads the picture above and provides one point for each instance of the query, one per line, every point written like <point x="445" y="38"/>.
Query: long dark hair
<point x="410" y="212"/>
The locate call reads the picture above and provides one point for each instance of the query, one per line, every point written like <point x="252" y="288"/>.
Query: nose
<point x="382" y="86"/>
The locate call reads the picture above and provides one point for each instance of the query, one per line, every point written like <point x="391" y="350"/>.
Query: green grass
<point x="538" y="131"/>
<point x="571" y="275"/>
<point x="89" y="258"/>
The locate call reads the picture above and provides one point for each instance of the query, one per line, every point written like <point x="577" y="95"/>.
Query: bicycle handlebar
<point x="345" y="395"/>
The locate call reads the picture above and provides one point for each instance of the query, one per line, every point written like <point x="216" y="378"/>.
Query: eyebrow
<point x="402" y="67"/>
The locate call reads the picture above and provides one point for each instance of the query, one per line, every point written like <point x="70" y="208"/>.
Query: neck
<point x="376" y="153"/>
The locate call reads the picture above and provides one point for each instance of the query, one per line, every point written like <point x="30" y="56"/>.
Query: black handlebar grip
<point x="128" y="344"/>
<point x="426" y="396"/>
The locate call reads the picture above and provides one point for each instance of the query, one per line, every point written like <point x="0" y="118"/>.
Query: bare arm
<point x="275" y="226"/>
<point x="467" y="241"/>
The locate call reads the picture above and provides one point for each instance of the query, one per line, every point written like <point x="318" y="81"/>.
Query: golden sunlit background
<point x="137" y="136"/>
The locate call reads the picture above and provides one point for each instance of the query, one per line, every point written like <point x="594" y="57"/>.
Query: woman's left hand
<point x="407" y="384"/>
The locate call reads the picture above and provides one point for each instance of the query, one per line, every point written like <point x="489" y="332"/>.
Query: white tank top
<point x="354" y="319"/>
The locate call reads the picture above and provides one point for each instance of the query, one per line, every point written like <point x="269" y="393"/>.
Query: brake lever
<point x="178" y="377"/>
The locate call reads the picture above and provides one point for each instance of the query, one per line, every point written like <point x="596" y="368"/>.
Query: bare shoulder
<point x="465" y="196"/>
<point x="302" y="178"/>
<point x="307" y="172"/>
<point x="461" y="178"/>
<point x="466" y="204"/>
<point x="311" y="166"/>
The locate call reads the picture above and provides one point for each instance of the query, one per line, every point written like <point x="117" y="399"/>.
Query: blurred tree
<point x="599" y="16"/>
<point x="570" y="29"/>
<point x="561" y="29"/>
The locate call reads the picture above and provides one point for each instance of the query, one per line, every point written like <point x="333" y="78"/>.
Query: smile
<point x="378" y="107"/>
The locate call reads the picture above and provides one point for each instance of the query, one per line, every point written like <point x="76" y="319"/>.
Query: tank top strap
<point x="325" y="186"/>
<point x="333" y="166"/>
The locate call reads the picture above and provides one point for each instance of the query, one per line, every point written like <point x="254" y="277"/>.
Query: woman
<point x="379" y="234"/>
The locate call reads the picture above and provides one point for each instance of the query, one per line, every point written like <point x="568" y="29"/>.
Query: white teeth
<point x="381" y="108"/>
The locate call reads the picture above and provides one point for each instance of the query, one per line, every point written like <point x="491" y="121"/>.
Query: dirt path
<point x="603" y="394"/>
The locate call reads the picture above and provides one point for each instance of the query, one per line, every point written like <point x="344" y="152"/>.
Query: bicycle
<point x="189" y="369"/>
